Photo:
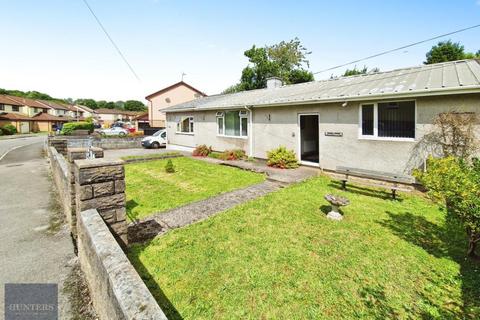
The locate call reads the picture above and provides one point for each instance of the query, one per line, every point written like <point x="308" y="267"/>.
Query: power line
<point x="111" y="40"/>
<point x="399" y="48"/>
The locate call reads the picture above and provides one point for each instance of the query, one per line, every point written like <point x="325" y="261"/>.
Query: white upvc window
<point x="185" y="125"/>
<point x="232" y="123"/>
<point x="394" y="120"/>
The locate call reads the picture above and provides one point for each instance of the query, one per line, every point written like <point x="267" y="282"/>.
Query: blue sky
<point x="55" y="46"/>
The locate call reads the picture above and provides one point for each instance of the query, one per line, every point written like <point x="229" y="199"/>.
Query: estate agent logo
<point x="31" y="301"/>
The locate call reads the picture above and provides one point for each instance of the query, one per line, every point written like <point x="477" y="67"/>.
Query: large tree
<point x="286" y="60"/>
<point x="89" y="103"/>
<point x="134" y="105"/>
<point x="448" y="51"/>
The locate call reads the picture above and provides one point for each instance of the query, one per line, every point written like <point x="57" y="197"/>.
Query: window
<point x="2" y="106"/>
<point x="232" y="123"/>
<point x="15" y="108"/>
<point x="185" y="125"/>
<point x="388" y="120"/>
<point x="367" y="120"/>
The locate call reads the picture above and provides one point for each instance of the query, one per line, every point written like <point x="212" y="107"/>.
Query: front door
<point x="309" y="139"/>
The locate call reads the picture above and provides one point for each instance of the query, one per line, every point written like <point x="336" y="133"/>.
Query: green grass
<point x="278" y="257"/>
<point x="150" y="189"/>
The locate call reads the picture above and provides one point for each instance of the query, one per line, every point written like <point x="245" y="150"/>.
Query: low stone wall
<point x="98" y="142"/>
<point x="100" y="185"/>
<point x="117" y="290"/>
<point x="61" y="178"/>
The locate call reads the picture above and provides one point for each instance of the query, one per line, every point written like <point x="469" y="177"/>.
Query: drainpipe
<point x="250" y="132"/>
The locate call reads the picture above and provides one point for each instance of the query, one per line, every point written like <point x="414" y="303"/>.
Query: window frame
<point x="191" y="125"/>
<point x="242" y="114"/>
<point x="15" y="108"/>
<point x="375" y="122"/>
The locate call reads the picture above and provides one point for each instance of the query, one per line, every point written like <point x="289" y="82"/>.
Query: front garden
<point x="150" y="189"/>
<point x="279" y="257"/>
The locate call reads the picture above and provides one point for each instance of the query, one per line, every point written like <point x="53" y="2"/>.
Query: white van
<point x="156" y="141"/>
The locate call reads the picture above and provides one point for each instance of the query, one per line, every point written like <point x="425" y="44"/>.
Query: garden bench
<point x="393" y="181"/>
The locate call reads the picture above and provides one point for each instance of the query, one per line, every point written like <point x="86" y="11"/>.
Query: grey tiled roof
<point x="447" y="77"/>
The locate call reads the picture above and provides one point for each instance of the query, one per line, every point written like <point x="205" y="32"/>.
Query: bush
<point x="68" y="128"/>
<point x="236" y="154"/>
<point x="202" y="151"/>
<point x="169" y="168"/>
<point x="9" y="129"/>
<point x="456" y="183"/>
<point x="282" y="158"/>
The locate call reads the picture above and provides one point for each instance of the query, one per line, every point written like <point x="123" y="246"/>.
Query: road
<point x="30" y="251"/>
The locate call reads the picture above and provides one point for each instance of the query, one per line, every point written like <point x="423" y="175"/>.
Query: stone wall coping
<point x="84" y="149"/>
<point x="60" y="159"/>
<point x="131" y="298"/>
<point x="101" y="162"/>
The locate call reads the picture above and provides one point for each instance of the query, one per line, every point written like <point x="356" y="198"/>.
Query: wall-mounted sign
<point x="334" y="134"/>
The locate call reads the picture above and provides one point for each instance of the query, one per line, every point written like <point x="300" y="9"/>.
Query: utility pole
<point x="183" y="74"/>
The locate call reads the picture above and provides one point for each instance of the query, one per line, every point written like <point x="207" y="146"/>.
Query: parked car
<point x="158" y="139"/>
<point x="115" y="131"/>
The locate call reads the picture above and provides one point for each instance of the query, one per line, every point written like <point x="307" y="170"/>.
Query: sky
<point x="57" y="47"/>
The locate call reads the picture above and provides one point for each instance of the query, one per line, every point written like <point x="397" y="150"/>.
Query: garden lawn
<point x="150" y="189"/>
<point x="278" y="257"/>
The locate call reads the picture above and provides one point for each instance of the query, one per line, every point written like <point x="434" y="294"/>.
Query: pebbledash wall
<point x="93" y="198"/>
<point x="278" y="126"/>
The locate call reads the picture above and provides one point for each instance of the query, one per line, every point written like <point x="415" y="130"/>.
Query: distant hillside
<point x="129" y="105"/>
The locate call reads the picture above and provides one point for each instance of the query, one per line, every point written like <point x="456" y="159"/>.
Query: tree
<point x="448" y="51"/>
<point x="456" y="184"/>
<point x="134" y="105"/>
<point x="89" y="103"/>
<point x="454" y="179"/>
<point x="120" y="105"/>
<point x="285" y="60"/>
<point x="355" y="71"/>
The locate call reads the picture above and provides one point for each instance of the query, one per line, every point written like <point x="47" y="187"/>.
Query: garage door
<point x="24" y="127"/>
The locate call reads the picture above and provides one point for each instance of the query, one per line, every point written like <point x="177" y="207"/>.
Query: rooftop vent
<point x="274" y="82"/>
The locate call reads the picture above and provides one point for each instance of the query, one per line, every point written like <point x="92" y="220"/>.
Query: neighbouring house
<point x="83" y="111"/>
<point x="106" y="117"/>
<point x="29" y="115"/>
<point x="373" y="121"/>
<point x="141" y="122"/>
<point x="177" y="93"/>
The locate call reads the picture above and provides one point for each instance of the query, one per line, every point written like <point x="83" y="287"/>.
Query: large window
<point x="185" y="125"/>
<point x="388" y="120"/>
<point x="15" y="108"/>
<point x="2" y="106"/>
<point x="232" y="123"/>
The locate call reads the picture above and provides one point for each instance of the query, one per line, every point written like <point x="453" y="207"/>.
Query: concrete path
<point x="182" y="216"/>
<point x="29" y="252"/>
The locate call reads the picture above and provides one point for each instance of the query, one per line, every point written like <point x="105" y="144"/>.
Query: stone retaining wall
<point x="98" y="142"/>
<point x="61" y="178"/>
<point x="100" y="185"/>
<point x="117" y="290"/>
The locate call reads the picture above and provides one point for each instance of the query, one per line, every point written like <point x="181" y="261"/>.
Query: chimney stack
<point x="274" y="82"/>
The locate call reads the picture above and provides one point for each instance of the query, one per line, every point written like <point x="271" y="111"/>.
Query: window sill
<point x="386" y="139"/>
<point x="233" y="137"/>
<point x="185" y="133"/>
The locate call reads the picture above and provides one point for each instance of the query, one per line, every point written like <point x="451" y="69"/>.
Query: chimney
<point x="274" y="82"/>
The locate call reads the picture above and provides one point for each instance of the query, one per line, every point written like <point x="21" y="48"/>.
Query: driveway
<point x="30" y="253"/>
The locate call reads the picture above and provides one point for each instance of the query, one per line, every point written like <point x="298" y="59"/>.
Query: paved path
<point x="28" y="253"/>
<point x="197" y="211"/>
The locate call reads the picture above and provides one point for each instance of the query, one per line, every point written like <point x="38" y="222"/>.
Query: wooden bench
<point x="396" y="182"/>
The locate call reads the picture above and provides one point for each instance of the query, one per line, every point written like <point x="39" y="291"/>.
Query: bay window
<point x="232" y="123"/>
<point x="391" y="120"/>
<point x="185" y="125"/>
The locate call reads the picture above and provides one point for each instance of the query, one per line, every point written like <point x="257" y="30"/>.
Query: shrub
<point x="282" y="158"/>
<point x="9" y="129"/>
<point x="456" y="183"/>
<point x="235" y="154"/>
<point x="68" y="128"/>
<point x="202" y="151"/>
<point x="169" y="168"/>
